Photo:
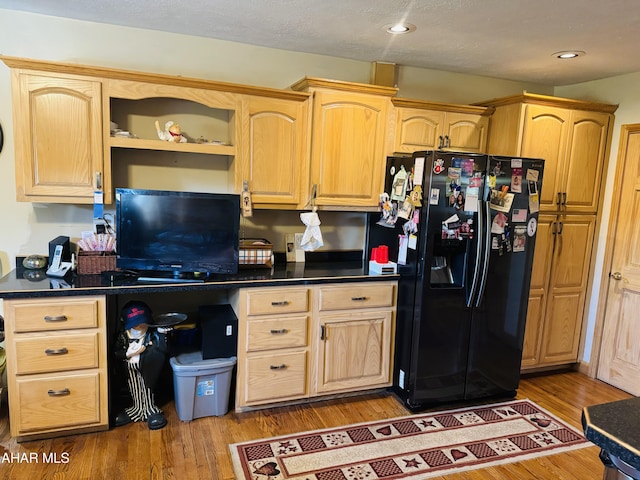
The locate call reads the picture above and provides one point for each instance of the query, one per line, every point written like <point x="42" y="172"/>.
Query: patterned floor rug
<point x="415" y="447"/>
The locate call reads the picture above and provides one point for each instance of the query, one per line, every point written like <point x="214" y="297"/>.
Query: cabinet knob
<point x="278" y="367"/>
<point x="359" y="299"/>
<point x="616" y="275"/>
<point x="57" y="318"/>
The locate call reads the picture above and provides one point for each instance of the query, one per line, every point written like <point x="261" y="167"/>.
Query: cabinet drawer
<point x="270" y="333"/>
<point x="56" y="353"/>
<point x="356" y="296"/>
<point x="38" y="316"/>
<point x="63" y="401"/>
<point x="281" y="300"/>
<point x="276" y="377"/>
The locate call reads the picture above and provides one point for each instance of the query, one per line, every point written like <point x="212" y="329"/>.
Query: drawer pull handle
<point x="59" y="393"/>
<point x="359" y="299"/>
<point x="57" y="318"/>
<point x="278" y="367"/>
<point x="281" y="331"/>
<point x="56" y="351"/>
<point x="280" y="304"/>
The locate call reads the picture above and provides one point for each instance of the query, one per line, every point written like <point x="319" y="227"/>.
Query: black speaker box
<point x="66" y="248"/>
<point x="219" y="329"/>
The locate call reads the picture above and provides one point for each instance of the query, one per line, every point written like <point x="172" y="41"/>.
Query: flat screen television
<point x="177" y="234"/>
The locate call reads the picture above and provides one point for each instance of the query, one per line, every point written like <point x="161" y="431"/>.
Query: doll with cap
<point x="144" y="351"/>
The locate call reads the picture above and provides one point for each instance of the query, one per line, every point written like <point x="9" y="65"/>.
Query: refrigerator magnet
<point x="516" y="180"/>
<point x="519" y="215"/>
<point x="434" y="196"/>
<point x="534" y="198"/>
<point x="399" y="186"/>
<point x="438" y="166"/>
<point x="532" y="226"/>
<point x="519" y="238"/>
<point x="532" y="175"/>
<point x="418" y="170"/>
<point x="416" y="196"/>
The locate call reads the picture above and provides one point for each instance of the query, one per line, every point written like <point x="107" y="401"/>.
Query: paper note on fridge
<point x="532" y="175"/>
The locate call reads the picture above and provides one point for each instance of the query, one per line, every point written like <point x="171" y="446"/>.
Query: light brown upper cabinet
<point x="275" y="150"/>
<point x="347" y="141"/>
<point x="57" y="122"/>
<point x="571" y="136"/>
<point x="422" y="125"/>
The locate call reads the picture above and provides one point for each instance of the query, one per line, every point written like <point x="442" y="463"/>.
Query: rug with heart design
<point x="417" y="447"/>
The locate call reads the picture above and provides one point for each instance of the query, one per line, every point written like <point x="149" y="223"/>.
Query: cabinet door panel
<point x="562" y="328"/>
<point x="418" y="129"/>
<point x="466" y="133"/>
<point x="274" y="162"/>
<point x="58" y="125"/>
<point x="348" y="148"/>
<point x="543" y="252"/>
<point x="544" y="136"/>
<point x="533" y="330"/>
<point x="573" y="251"/>
<point x="567" y="289"/>
<point x="355" y="351"/>
<point x="585" y="156"/>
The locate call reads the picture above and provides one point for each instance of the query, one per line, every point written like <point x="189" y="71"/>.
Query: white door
<point x="620" y="350"/>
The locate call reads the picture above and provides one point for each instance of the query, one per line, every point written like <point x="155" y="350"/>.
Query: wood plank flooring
<point x="199" y="449"/>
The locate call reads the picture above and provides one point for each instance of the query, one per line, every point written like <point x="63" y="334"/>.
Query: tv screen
<point x="177" y="232"/>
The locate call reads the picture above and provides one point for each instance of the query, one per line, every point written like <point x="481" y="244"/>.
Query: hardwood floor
<point x="199" y="449"/>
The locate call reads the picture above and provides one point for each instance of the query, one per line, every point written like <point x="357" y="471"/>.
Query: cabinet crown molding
<point x="443" y="107"/>
<point x="307" y="83"/>
<point x="549" y="101"/>
<point x="163" y="79"/>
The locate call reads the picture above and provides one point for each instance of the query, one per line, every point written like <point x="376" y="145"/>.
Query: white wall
<point x="623" y="91"/>
<point x="26" y="227"/>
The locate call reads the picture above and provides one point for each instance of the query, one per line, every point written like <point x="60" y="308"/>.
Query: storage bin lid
<point x="192" y="362"/>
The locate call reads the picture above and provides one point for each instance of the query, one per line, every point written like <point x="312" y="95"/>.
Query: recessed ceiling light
<point x="568" y="54"/>
<point x="399" y="28"/>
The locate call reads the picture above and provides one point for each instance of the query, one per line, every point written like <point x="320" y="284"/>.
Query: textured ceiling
<point x="508" y="39"/>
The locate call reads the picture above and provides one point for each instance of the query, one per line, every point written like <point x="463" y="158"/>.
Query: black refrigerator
<point x="461" y="229"/>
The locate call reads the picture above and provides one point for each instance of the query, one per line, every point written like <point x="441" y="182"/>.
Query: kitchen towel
<point x="312" y="238"/>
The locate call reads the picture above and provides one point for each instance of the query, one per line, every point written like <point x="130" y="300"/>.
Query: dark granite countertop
<point x="22" y="283"/>
<point x="615" y="428"/>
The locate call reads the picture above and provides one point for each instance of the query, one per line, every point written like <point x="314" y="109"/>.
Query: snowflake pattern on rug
<point x="538" y="432"/>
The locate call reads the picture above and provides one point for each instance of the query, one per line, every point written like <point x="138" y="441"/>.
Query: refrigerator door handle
<point x="476" y="269"/>
<point x="487" y="250"/>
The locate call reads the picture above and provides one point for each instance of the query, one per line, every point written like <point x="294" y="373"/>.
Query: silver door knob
<point x="616" y="276"/>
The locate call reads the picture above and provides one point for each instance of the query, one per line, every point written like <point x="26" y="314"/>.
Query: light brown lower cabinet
<point x="558" y="290"/>
<point x="296" y="343"/>
<point x="56" y="366"/>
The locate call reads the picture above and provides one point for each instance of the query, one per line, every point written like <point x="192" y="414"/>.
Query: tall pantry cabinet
<point x="573" y="138"/>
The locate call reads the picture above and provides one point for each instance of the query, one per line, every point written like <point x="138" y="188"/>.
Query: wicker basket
<point x="255" y="252"/>
<point x="92" y="263"/>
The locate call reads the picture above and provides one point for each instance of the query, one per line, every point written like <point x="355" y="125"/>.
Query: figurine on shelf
<point x="171" y="133"/>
